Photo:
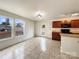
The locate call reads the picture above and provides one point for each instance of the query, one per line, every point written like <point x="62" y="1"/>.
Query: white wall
<point x="29" y="30"/>
<point x="47" y="30"/>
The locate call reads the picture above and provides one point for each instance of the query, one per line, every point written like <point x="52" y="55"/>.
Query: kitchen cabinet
<point x="56" y="24"/>
<point x="56" y="36"/>
<point x="75" y="23"/>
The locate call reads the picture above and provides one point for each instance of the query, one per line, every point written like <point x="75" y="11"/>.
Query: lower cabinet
<point x="56" y="36"/>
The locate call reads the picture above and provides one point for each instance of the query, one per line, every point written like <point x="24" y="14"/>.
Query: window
<point x="5" y="27"/>
<point x="19" y="27"/>
<point x="8" y="29"/>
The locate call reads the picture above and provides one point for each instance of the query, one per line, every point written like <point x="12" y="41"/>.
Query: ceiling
<point x="52" y="8"/>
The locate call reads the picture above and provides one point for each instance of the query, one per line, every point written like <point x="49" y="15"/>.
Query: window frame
<point x="12" y="28"/>
<point x="23" y="27"/>
<point x="13" y="33"/>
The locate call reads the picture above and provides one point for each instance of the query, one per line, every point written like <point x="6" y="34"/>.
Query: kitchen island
<point x="70" y="44"/>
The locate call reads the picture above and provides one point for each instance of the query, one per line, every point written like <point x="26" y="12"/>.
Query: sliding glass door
<point x="10" y="28"/>
<point x="19" y="27"/>
<point x="5" y="27"/>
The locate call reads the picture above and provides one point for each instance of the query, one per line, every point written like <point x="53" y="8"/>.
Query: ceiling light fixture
<point x="69" y="15"/>
<point x="75" y="14"/>
<point x="40" y="14"/>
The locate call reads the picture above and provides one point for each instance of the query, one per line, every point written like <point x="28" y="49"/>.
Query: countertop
<point x="70" y="35"/>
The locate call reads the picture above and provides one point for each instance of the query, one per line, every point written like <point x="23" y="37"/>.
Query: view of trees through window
<point x="5" y="27"/>
<point x="19" y="27"/>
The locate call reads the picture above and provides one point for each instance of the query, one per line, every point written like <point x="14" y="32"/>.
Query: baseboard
<point x="44" y="37"/>
<point x="15" y="44"/>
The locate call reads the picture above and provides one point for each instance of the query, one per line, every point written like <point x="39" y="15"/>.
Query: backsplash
<point x="72" y="30"/>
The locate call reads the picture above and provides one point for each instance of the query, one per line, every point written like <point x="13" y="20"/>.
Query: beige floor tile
<point x="36" y="48"/>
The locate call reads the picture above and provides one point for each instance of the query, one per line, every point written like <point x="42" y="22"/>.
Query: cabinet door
<point x="75" y="23"/>
<point x="56" y="24"/>
<point x="56" y="36"/>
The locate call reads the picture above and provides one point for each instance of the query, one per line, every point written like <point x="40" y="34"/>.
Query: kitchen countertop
<point x="70" y="35"/>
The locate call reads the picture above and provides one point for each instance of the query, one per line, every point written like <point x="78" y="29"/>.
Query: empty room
<point x="39" y="29"/>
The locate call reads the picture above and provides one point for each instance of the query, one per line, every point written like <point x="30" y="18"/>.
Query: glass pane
<point x="5" y="27"/>
<point x="19" y="27"/>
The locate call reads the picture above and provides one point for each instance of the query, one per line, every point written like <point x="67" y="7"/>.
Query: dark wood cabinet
<point x="64" y="25"/>
<point x="56" y="24"/>
<point x="75" y="23"/>
<point x="56" y="36"/>
<point x="71" y="24"/>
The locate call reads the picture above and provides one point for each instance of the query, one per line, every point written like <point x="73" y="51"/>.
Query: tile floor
<point x="36" y="48"/>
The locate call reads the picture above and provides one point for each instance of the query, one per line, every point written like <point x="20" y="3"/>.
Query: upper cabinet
<point x="75" y="23"/>
<point x="56" y="24"/>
